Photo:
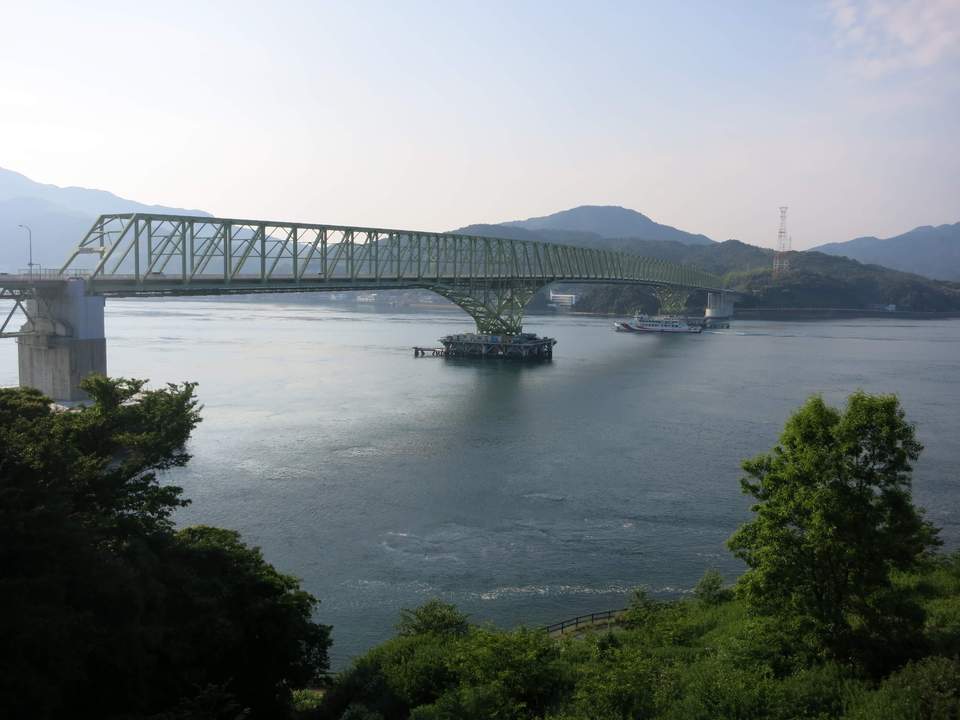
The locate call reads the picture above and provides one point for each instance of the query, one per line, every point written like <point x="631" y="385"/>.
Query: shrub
<point x="710" y="590"/>
<point x="928" y="689"/>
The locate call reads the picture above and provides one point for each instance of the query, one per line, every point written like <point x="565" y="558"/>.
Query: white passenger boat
<point x="656" y="324"/>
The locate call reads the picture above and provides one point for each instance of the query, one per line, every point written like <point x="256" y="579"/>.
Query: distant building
<point x="562" y="300"/>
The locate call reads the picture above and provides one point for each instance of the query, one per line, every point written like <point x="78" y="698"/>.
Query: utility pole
<point x="29" y="247"/>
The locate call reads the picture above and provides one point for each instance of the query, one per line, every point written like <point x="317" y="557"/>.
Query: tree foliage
<point x="434" y="616"/>
<point x="689" y="660"/>
<point x="833" y="519"/>
<point x="711" y="590"/>
<point x="105" y="610"/>
<point x="928" y="689"/>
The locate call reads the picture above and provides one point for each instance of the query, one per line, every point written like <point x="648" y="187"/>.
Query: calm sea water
<point x="525" y="494"/>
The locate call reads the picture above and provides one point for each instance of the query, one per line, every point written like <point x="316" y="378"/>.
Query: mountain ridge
<point x="58" y="217"/>
<point x="929" y="250"/>
<point x="609" y="221"/>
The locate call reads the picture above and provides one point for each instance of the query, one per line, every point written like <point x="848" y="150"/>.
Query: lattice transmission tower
<point x="781" y="262"/>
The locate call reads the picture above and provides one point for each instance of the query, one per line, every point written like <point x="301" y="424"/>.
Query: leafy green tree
<point x="482" y="674"/>
<point x="521" y="673"/>
<point x="79" y="503"/>
<point x="435" y="617"/>
<point x="234" y="620"/>
<point x="104" y="609"/>
<point x="411" y="670"/>
<point x="643" y="609"/>
<point x="834" y="517"/>
<point x="418" y="667"/>
<point x="364" y="685"/>
<point x="713" y="688"/>
<point x="616" y="684"/>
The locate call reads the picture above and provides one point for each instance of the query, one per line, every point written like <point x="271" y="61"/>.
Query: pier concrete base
<point x="66" y="343"/>
<point x="719" y="306"/>
<point x="55" y="365"/>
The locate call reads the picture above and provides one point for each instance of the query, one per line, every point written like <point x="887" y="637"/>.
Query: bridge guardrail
<point x="37" y="273"/>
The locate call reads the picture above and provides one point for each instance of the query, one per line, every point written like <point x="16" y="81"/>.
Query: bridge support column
<point x="65" y="343"/>
<point x="719" y="306"/>
<point x="496" y="306"/>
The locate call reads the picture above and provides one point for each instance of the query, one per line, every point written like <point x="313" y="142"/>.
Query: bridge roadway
<point x="492" y="279"/>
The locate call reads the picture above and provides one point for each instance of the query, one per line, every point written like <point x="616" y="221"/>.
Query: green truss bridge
<point x="492" y="279"/>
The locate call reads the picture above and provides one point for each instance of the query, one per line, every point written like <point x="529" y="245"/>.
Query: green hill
<point x="814" y="280"/>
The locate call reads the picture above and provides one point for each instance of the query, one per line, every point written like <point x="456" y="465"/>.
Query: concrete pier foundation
<point x="66" y="342"/>
<point x="719" y="306"/>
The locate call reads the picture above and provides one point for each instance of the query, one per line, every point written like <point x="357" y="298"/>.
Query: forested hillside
<point x="814" y="280"/>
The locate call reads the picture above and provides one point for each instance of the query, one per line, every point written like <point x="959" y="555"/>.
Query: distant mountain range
<point x="815" y="280"/>
<point x="588" y="224"/>
<point x="58" y="216"/>
<point x="609" y="221"/>
<point x="930" y="251"/>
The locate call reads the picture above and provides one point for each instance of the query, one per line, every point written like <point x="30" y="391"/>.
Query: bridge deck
<point x="51" y="280"/>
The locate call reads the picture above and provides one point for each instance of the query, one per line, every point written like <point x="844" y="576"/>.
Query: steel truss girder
<point x="492" y="279"/>
<point x="673" y="300"/>
<point x="496" y="307"/>
<point x="40" y="320"/>
<point x="17" y="298"/>
<point x="146" y="253"/>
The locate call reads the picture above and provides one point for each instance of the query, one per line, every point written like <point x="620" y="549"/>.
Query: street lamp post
<point x="30" y="247"/>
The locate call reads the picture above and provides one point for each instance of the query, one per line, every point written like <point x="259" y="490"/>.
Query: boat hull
<point x="636" y="328"/>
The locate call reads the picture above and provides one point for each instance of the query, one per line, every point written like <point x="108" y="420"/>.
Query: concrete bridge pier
<point x="65" y="340"/>
<point x="719" y="306"/>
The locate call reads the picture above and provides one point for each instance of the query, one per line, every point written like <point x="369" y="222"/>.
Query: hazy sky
<point x="433" y="115"/>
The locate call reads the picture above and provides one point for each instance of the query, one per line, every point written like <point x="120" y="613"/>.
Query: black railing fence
<point x="584" y="620"/>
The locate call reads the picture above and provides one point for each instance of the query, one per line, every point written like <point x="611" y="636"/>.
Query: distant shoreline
<point x="835" y="313"/>
<point x="801" y="314"/>
<point x="424" y="308"/>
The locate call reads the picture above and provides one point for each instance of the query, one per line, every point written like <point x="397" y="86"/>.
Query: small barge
<point x="525" y="346"/>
